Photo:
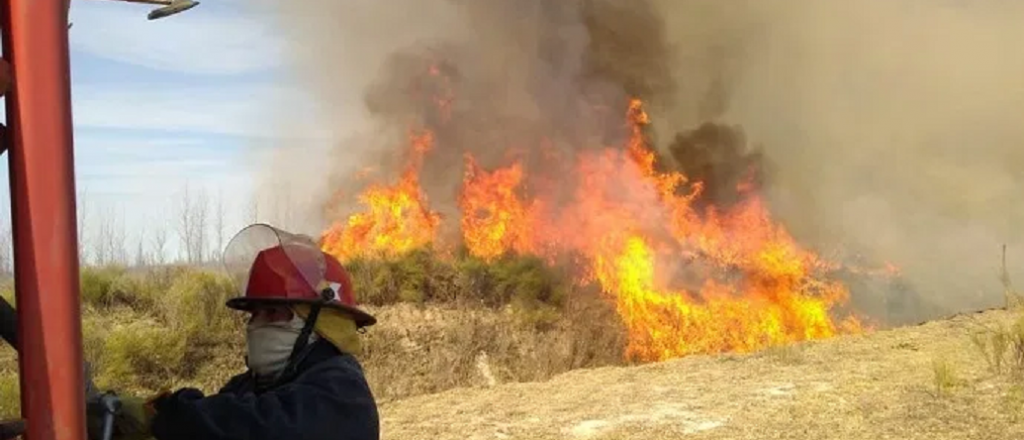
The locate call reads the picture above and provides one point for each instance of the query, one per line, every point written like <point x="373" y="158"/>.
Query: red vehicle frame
<point x="39" y="142"/>
<point x="43" y="218"/>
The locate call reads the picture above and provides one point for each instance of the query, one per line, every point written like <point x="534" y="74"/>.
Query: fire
<point x="760" y="288"/>
<point x="684" y="279"/>
<point x="494" y="219"/>
<point x="396" y="220"/>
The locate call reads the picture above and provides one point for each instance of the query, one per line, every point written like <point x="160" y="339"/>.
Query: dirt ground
<point x="880" y="385"/>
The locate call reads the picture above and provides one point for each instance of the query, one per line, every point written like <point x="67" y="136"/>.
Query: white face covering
<point x="270" y="343"/>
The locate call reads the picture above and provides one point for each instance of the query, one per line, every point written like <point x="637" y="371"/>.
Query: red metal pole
<point x="35" y="42"/>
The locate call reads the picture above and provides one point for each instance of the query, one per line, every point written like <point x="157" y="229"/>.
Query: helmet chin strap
<point x="300" y="349"/>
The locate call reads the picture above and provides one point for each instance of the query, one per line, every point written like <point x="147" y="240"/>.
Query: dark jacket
<point x="327" y="399"/>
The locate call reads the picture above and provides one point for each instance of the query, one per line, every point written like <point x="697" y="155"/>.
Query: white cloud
<point x="200" y="40"/>
<point x="145" y="193"/>
<point x="252" y="110"/>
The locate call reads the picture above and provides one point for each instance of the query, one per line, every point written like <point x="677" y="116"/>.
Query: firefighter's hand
<point x="135" y="419"/>
<point x="94" y="413"/>
<point x="131" y="422"/>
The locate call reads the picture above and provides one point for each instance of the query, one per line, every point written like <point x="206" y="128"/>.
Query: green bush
<point x="535" y="292"/>
<point x="195" y="304"/>
<point x="141" y="355"/>
<point x="425" y="276"/>
<point x="176" y="319"/>
<point x="418" y="276"/>
<point x="97" y="285"/>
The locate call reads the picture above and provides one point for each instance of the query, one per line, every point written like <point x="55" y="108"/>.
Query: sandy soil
<point x="874" y="386"/>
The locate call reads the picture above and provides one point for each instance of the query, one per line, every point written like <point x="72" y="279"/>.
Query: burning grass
<point x="685" y="273"/>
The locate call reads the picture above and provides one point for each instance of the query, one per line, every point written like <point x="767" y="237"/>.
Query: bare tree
<point x="83" y="216"/>
<point x="119" y="239"/>
<point x="186" y="225"/>
<point x="103" y="247"/>
<point x="218" y="225"/>
<point x="202" y="225"/>
<point x="159" y="243"/>
<point x="192" y="225"/>
<point x="141" y="258"/>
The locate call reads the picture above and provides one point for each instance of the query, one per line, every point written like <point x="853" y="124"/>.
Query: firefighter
<point x="303" y="381"/>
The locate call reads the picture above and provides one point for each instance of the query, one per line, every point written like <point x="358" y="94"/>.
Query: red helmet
<point x="271" y="266"/>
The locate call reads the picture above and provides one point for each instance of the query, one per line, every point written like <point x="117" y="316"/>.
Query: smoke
<point x="885" y="128"/>
<point x="525" y="73"/>
<point x="892" y="128"/>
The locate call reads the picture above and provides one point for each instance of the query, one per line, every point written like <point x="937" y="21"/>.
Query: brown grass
<point x="458" y="368"/>
<point x="1014" y="300"/>
<point x="880" y="385"/>
<point x="416" y="350"/>
<point x="145" y="331"/>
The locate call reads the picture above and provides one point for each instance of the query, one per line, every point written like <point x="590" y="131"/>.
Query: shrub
<point x="97" y="285"/>
<point x="534" y="291"/>
<point x="141" y="356"/>
<point x="172" y="325"/>
<point x="195" y="304"/>
<point x="515" y="318"/>
<point x="418" y="276"/>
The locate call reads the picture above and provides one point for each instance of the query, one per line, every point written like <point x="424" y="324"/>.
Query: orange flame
<point x="494" y="219"/>
<point x="760" y="288"/>
<point x="397" y="219"/>
<point x="747" y="284"/>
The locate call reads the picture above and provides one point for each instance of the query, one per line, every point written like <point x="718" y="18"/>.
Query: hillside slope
<point x="873" y="386"/>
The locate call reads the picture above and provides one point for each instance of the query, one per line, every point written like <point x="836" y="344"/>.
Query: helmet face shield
<point x="300" y="251"/>
<point x="269" y="266"/>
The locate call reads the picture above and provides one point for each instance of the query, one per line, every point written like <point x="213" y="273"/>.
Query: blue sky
<point x="157" y="105"/>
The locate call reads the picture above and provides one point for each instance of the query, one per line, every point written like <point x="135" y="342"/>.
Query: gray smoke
<point x="889" y="127"/>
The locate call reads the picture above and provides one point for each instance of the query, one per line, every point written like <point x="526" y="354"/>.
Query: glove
<point x="95" y="410"/>
<point x="132" y="421"/>
<point x="135" y="419"/>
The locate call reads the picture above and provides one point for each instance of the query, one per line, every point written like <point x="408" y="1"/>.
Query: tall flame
<point x="494" y="219"/>
<point x="742" y="282"/>
<point x="760" y="288"/>
<point x="396" y="219"/>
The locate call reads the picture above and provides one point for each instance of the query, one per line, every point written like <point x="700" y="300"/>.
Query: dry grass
<point x="416" y="350"/>
<point x="945" y="377"/>
<point x="880" y="385"/>
<point x="1002" y="344"/>
<point x="145" y="331"/>
<point x="451" y="367"/>
<point x="1014" y="300"/>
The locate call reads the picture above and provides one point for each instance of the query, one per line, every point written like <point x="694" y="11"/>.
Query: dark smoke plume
<point x="547" y="73"/>
<point x="719" y="158"/>
<point x="890" y="127"/>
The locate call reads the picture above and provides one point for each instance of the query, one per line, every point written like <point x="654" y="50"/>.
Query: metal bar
<point x="41" y="158"/>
